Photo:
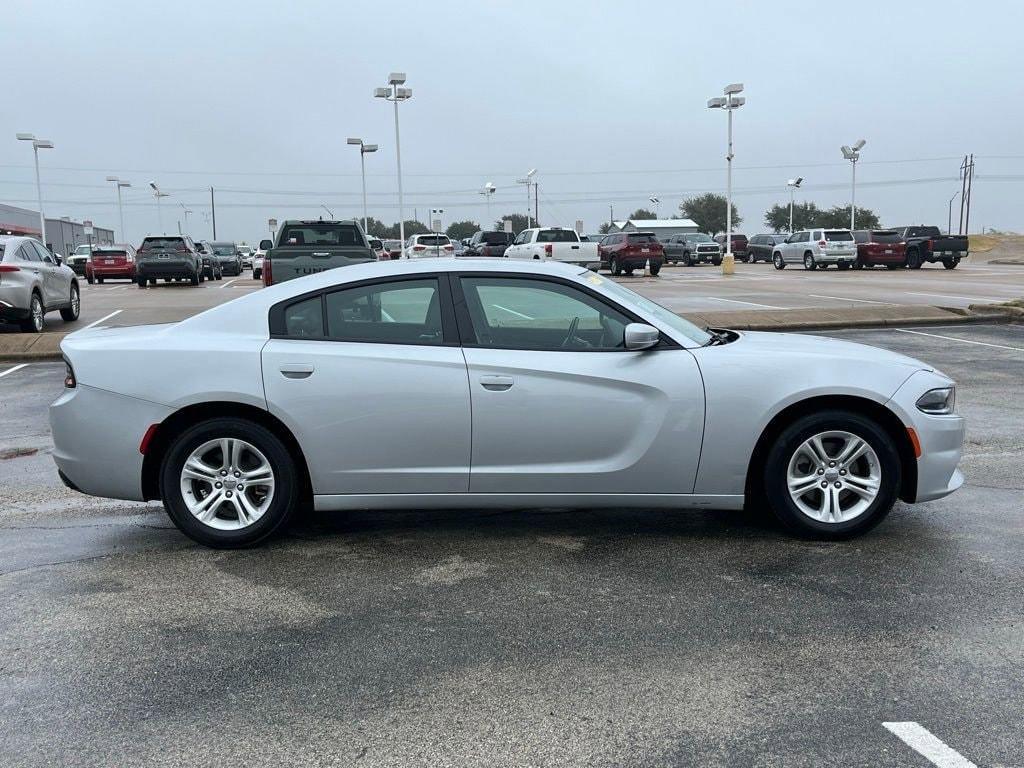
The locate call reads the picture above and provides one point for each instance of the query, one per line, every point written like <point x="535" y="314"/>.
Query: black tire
<point x="90" y="279"/>
<point x="141" y="282"/>
<point x="257" y="274"/>
<point x="717" y="262"/>
<point x="286" y="483"/>
<point x="614" y="267"/>
<point x="914" y="259"/>
<point x="792" y="437"/>
<point x="809" y="262"/>
<point x="655" y="269"/>
<point x="951" y="263"/>
<point x="152" y="281"/>
<point x="70" y="313"/>
<point x="751" y="258"/>
<point x="687" y="261"/>
<point x="842" y="266"/>
<point x="194" y="279"/>
<point x="777" y="261"/>
<point x="34" y="322"/>
<point x="629" y="273"/>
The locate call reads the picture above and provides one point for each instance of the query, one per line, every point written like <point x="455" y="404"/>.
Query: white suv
<point x="817" y="248"/>
<point x="422" y="246"/>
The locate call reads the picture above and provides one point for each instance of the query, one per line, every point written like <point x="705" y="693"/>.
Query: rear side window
<point x="557" y="236"/>
<point x="305" y="319"/>
<point x="169" y="243"/>
<point x="402" y="312"/>
<point x="839" y="235"/>
<point x="642" y="238"/>
<point x="26" y="253"/>
<point x="321" y="234"/>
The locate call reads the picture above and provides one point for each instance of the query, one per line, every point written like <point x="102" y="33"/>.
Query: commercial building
<point x="62" y="235"/>
<point x="660" y="227"/>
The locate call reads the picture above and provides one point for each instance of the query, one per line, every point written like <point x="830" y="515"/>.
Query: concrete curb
<point x="27" y="347"/>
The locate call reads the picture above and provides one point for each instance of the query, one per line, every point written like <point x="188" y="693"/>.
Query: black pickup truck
<point x="929" y="244"/>
<point x="308" y="247"/>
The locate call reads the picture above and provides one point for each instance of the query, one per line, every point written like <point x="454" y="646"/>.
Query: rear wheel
<point x="832" y="475"/>
<point x="229" y="483"/>
<point x="809" y="262"/>
<point x="141" y="282"/>
<point x="951" y="263"/>
<point x="655" y="269"/>
<point x="71" y="311"/>
<point x="777" y="261"/>
<point x="99" y="280"/>
<point x="195" y="278"/>
<point x="34" y="322"/>
<point x="90" y="279"/>
<point x="717" y="261"/>
<point x="257" y="274"/>
<point x="614" y="267"/>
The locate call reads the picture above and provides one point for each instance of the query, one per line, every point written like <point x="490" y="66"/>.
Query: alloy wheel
<point x="227" y="484"/>
<point x="834" y="476"/>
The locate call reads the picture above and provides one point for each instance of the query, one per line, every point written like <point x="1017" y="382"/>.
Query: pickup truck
<point x="307" y="247"/>
<point x="929" y="244"/>
<point x="554" y="244"/>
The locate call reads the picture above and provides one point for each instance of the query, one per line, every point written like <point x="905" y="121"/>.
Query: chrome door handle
<point x="297" y="371"/>
<point x="496" y="383"/>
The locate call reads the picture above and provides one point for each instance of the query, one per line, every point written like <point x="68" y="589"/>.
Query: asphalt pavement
<point x="615" y="638"/>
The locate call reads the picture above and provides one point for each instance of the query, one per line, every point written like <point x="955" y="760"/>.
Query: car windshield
<point x="699" y="238"/>
<point x="245" y="249"/>
<point x="83" y="250"/>
<point x="697" y="335"/>
<point x="557" y="236"/>
<point x="393" y="245"/>
<point x="317" y="233"/>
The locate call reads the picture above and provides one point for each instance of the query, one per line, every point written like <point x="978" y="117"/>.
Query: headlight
<point x="938" y="402"/>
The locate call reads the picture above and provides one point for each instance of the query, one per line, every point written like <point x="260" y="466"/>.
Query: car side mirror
<point x="641" y="336"/>
<point x="266" y="245"/>
<point x="57" y="259"/>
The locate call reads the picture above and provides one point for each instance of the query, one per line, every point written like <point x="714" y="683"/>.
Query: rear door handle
<point x="300" y="371"/>
<point x="496" y="383"/>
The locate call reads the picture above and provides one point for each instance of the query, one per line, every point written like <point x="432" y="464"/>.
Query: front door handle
<point x="496" y="383"/>
<point x="302" y="371"/>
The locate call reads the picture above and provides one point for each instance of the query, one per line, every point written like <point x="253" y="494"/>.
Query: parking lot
<point x="521" y="638"/>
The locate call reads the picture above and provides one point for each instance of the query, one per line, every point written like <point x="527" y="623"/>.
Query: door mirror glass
<point x="266" y="245"/>
<point x="641" y="336"/>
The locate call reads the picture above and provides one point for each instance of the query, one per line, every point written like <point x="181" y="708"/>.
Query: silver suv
<point x="817" y="248"/>
<point x="34" y="282"/>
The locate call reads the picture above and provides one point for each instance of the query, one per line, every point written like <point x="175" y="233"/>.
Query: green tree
<point x="376" y="227"/>
<point x="707" y="211"/>
<point x="605" y="228"/>
<point x="519" y="222"/>
<point x="411" y="228"/>
<point x="805" y="215"/>
<point x="839" y="217"/>
<point x="458" y="230"/>
<point x="641" y="214"/>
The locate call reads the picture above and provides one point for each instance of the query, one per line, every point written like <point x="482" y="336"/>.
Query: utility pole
<point x="213" y="213"/>
<point x="536" y="205"/>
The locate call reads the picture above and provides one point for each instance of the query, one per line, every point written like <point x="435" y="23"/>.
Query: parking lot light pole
<point x="363" y="150"/>
<point x="656" y="201"/>
<point x="187" y="212"/>
<point x="395" y="92"/>
<point x="488" y="190"/>
<point x="528" y="180"/>
<point x="159" y="213"/>
<point x="949" y="226"/>
<point x="793" y="185"/>
<point x="118" y="185"/>
<point x="853" y="155"/>
<point x="729" y="102"/>
<point x="38" y="144"/>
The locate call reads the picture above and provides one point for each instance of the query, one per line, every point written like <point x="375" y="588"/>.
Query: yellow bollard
<point x="728" y="264"/>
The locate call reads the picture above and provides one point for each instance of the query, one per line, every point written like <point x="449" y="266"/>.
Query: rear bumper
<point x="834" y="258"/>
<point x="165" y="269"/>
<point x="102" y="270"/>
<point x="14" y="301"/>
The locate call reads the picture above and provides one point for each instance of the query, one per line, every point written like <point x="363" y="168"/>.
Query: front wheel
<point x="71" y="311"/>
<point x="687" y="261"/>
<point x="832" y="475"/>
<point x="229" y="483"/>
<point x="951" y="263"/>
<point x="914" y="260"/>
<point x="194" y="279"/>
<point x="257" y="274"/>
<point x="809" y="262"/>
<point x="777" y="261"/>
<point x="614" y="267"/>
<point x="90" y="279"/>
<point x="141" y="282"/>
<point x="655" y="269"/>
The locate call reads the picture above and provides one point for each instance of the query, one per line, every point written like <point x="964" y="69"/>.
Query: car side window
<point x="26" y="253"/>
<point x="530" y="313"/>
<point x="305" y="319"/>
<point x="44" y="255"/>
<point x="396" y="312"/>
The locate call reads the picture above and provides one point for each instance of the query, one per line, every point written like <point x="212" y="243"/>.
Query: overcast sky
<point x="605" y="100"/>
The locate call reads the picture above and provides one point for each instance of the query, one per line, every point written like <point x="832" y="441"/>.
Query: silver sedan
<point x="34" y="282"/>
<point x="492" y="383"/>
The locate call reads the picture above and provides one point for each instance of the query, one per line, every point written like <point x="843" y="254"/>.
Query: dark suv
<point x="761" y="247"/>
<point x="626" y="251"/>
<point x="880" y="246"/>
<point x="489" y="244"/>
<point x="228" y="256"/>
<point x="172" y="257"/>
<point x="739" y="245"/>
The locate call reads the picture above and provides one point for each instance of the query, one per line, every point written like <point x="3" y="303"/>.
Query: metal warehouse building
<point x="62" y="235"/>
<point x="660" y="227"/>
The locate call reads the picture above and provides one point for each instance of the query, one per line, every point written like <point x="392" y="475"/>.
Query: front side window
<point x="44" y="255"/>
<point x="524" y="313"/>
<point x="402" y="312"/>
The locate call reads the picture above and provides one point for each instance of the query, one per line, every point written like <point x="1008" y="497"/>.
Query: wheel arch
<point x="190" y="415"/>
<point x="884" y="417"/>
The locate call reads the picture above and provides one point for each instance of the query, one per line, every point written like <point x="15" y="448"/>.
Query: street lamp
<point x="118" y="185"/>
<point x="853" y="155"/>
<point x="729" y="102"/>
<point x="395" y="91"/>
<point x="793" y="184"/>
<point x="187" y="212"/>
<point x="159" y="214"/>
<point x="364" y="149"/>
<point x="38" y="144"/>
<point x="528" y="180"/>
<point x="949" y="226"/>
<point x="656" y="201"/>
<point x="488" y="190"/>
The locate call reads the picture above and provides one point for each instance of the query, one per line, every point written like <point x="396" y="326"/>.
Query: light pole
<point x="657" y="206"/>
<point x="853" y="155"/>
<point x="528" y="180"/>
<point x="396" y="92"/>
<point x="38" y="144"/>
<point x="365" y="149"/>
<point x="187" y="212"/>
<point x="729" y="102"/>
<point x="118" y="185"/>
<point x="793" y="184"/>
<point x="949" y="226"/>
<point x="159" y="213"/>
<point x="488" y="190"/>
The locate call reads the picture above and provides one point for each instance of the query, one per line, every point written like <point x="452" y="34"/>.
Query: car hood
<point x="783" y="345"/>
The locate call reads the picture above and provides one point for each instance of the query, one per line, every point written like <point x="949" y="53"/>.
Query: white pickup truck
<point x="554" y="244"/>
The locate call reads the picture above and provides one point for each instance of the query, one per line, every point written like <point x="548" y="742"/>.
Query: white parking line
<point x="922" y="741"/>
<point x="229" y="282"/>
<point x="962" y="341"/>
<point x="12" y="370"/>
<point x="106" y="317"/>
<point x="962" y="298"/>
<point x="847" y="298"/>
<point x="748" y="303"/>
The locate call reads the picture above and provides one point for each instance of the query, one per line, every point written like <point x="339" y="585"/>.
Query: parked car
<point x="393" y="248"/>
<point x="33" y="282"/>
<point x="245" y="251"/>
<point x="554" y="244"/>
<point x="111" y="261"/>
<point x="257" y="261"/>
<point x="880" y="246"/>
<point x="227" y="255"/>
<point x="627" y="251"/>
<point x="739" y="245"/>
<point x="489" y="243"/>
<point x="594" y="238"/>
<point x="428" y="245"/>
<point x="928" y="244"/>
<point x="510" y="412"/>
<point x="79" y="258"/>
<point x="211" y="266"/>
<point x="377" y="246"/>
<point x="171" y="257"/>
<point x="308" y="247"/>
<point x="691" y="248"/>
<point x="760" y="247"/>
<point x="817" y="248"/>
<point x="458" y="248"/>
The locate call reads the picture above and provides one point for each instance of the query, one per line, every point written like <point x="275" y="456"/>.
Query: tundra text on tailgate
<point x="306" y="247"/>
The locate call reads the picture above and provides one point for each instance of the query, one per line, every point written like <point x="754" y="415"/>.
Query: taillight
<point x="419" y="247"/>
<point x="449" y="247"/>
<point x="548" y="248"/>
<point x="931" y="245"/>
<point x="822" y="243"/>
<point x="9" y="268"/>
<point x="70" y="382"/>
<point x="147" y="438"/>
<point x="268" y="275"/>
